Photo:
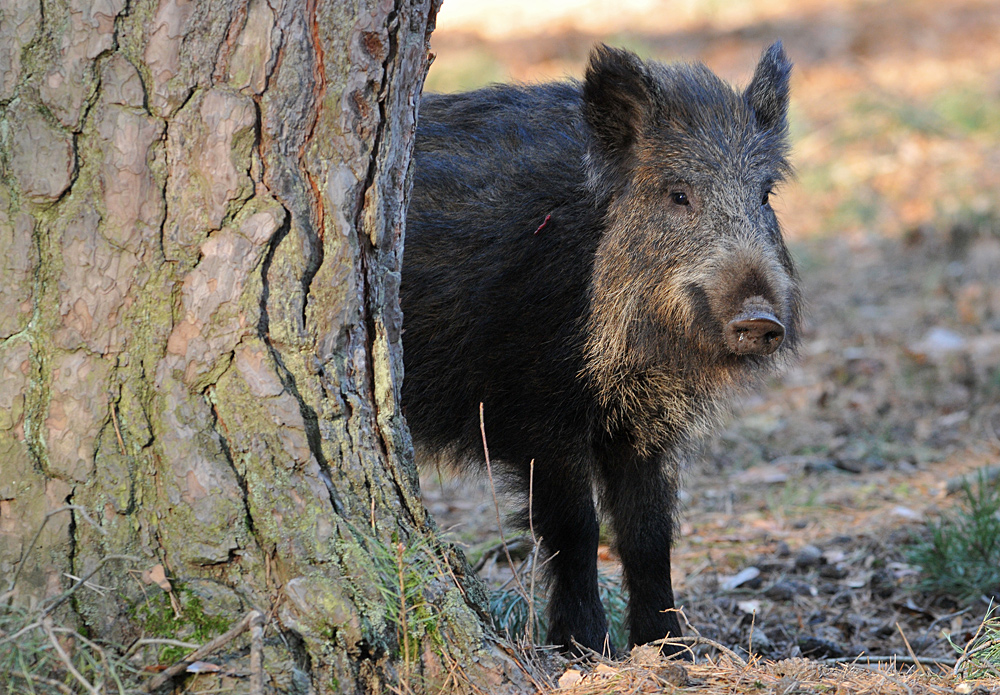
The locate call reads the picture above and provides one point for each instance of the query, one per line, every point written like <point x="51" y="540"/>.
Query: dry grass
<point x="782" y="677"/>
<point x="647" y="671"/>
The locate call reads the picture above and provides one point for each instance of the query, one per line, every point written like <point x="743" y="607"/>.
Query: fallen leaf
<point x="157" y="575"/>
<point x="570" y="678"/>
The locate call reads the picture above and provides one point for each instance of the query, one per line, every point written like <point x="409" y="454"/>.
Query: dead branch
<point x="64" y="657"/>
<point x="200" y="653"/>
<point x="694" y="640"/>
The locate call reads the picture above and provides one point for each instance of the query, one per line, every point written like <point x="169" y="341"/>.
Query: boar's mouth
<point x="754" y="331"/>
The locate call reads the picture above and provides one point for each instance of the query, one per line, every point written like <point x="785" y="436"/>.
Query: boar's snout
<point x="754" y="332"/>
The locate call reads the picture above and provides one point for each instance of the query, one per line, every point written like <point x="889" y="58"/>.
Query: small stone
<point x="833" y="572"/>
<point x="819" y="465"/>
<point x="937" y="343"/>
<point x="875" y="463"/>
<point x="672" y="674"/>
<point x="760" y="643"/>
<point x="850" y="465"/>
<point x="906" y="513"/>
<point x="786" y="590"/>
<point x="738" y="579"/>
<point x="809" y="556"/>
<point x="818" y="648"/>
<point x="781" y="591"/>
<point x="882" y="583"/>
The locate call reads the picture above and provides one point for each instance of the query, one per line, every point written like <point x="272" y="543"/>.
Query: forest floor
<point x="797" y="518"/>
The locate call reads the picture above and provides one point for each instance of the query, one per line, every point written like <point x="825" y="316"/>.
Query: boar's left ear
<point x="767" y="93"/>
<point x="617" y="96"/>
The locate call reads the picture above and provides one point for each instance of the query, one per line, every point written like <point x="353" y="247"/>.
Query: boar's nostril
<point x="755" y="333"/>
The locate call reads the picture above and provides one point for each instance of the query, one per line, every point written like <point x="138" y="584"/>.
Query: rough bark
<point x="201" y="219"/>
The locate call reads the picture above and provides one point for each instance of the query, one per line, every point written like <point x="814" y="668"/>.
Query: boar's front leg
<point x="565" y="520"/>
<point x="639" y="494"/>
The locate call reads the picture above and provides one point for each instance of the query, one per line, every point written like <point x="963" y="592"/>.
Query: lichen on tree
<point x="201" y="211"/>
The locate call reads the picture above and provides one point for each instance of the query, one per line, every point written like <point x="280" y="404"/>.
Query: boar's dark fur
<point x="598" y="264"/>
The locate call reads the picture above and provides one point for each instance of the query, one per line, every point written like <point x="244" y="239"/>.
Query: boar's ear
<point x="767" y="93"/>
<point x="617" y="95"/>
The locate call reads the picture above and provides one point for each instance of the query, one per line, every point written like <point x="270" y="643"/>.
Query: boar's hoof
<point x="756" y="333"/>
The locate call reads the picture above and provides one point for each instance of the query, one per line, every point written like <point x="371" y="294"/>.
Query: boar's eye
<point x="766" y="199"/>
<point x="681" y="195"/>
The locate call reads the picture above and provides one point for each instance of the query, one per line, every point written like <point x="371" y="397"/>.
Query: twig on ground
<point x="64" y="657"/>
<point x="450" y="571"/>
<point x="943" y="618"/>
<point x="520" y="664"/>
<point x="158" y="640"/>
<point x="495" y="549"/>
<point x="588" y="654"/>
<point x="24" y="630"/>
<point x="257" y="654"/>
<point x="898" y="682"/>
<point x="93" y="586"/>
<point x="965" y="652"/>
<point x="687" y="622"/>
<point x="58" y="600"/>
<point x="909" y="649"/>
<point x="694" y="640"/>
<point x="468" y="681"/>
<point x="161" y="679"/>
<point x="982" y="647"/>
<point x="95" y="647"/>
<point x="890" y="659"/>
<point x="61" y="687"/>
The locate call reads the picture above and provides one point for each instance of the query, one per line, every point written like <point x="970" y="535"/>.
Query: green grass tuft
<point x="41" y="656"/>
<point x="405" y="572"/>
<point x="980" y="658"/>
<point x="193" y="624"/>
<point x="510" y="611"/>
<point x="959" y="555"/>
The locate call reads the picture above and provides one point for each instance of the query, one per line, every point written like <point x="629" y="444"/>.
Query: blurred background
<point x="895" y="103"/>
<point x="827" y="481"/>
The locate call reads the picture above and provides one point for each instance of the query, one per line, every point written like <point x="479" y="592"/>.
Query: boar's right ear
<point x="617" y="95"/>
<point x="767" y="93"/>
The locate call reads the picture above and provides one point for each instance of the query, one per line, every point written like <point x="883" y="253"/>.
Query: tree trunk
<point x="201" y="222"/>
